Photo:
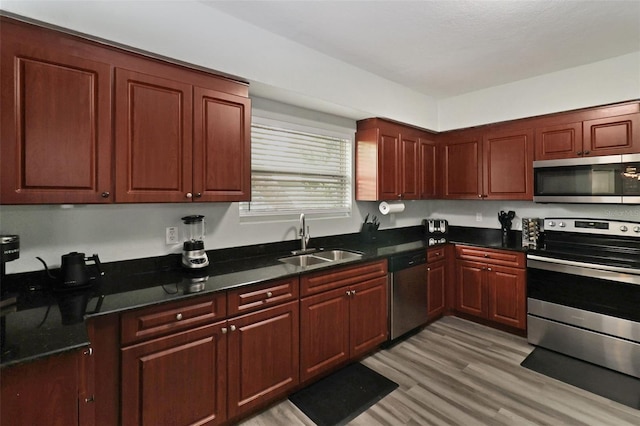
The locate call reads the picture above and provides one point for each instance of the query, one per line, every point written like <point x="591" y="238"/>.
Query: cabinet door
<point x="508" y="165"/>
<point x="470" y="294"/>
<point x="408" y="164"/>
<point x="427" y="171"/>
<point x="559" y="141"/>
<point x="612" y="135"/>
<point x="388" y="174"/>
<point x="463" y="168"/>
<point x="179" y="379"/>
<point x="153" y="137"/>
<point x="56" y="126"/>
<point x="436" y="279"/>
<point x="324" y="332"/>
<point x="368" y="316"/>
<point x="507" y="295"/>
<point x="43" y="392"/>
<point x="263" y="356"/>
<point x="222" y="146"/>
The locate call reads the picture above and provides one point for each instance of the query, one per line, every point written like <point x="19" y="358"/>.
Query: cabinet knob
<point x="479" y="195"/>
<point x="587" y="152"/>
<point x="90" y="398"/>
<point x="488" y="269"/>
<point x="269" y="294"/>
<point x="353" y="292"/>
<point x="232" y="328"/>
<point x="224" y="330"/>
<point x="486" y="255"/>
<point x="348" y="293"/>
<point x="428" y="269"/>
<point x="179" y="316"/>
<point x="105" y="194"/>
<point x="198" y="194"/>
<point x="579" y="153"/>
<point x="88" y="352"/>
<point x="189" y="195"/>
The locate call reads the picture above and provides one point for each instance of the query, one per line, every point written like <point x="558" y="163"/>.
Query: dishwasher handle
<point x="407" y="260"/>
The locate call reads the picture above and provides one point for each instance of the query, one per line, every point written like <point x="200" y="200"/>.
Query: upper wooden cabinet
<point x="176" y="142"/>
<point x="72" y="107"/>
<point x="56" y="132"/>
<point x="606" y="131"/>
<point x="495" y="164"/>
<point x="393" y="162"/>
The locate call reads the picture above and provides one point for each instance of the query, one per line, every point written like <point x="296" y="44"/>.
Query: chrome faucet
<point x="304" y="233"/>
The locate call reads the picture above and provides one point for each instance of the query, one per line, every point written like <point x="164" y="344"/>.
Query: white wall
<point x="614" y="80"/>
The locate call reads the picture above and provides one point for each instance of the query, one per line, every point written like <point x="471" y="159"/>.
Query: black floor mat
<point x="593" y="378"/>
<point x="342" y="396"/>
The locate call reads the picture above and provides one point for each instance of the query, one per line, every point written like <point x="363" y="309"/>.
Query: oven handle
<point x="604" y="272"/>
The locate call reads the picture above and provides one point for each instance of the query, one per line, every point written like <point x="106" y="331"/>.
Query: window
<point x="296" y="170"/>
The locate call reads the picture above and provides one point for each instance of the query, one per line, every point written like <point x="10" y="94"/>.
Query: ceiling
<point x="446" y="48"/>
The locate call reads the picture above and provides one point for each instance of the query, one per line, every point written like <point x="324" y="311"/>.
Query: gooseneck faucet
<point x="304" y="233"/>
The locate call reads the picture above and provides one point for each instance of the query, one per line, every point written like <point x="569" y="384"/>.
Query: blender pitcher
<point x="193" y="253"/>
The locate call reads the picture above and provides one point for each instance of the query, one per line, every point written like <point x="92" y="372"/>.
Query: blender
<point x="193" y="254"/>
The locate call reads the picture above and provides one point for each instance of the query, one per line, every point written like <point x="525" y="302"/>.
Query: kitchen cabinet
<point x="56" y="123"/>
<point x="343" y="317"/>
<point x="211" y="359"/>
<point x="489" y="164"/>
<point x="429" y="174"/>
<point x="52" y="391"/>
<point x="84" y="122"/>
<point x="618" y="134"/>
<point x="491" y="284"/>
<point x="393" y="162"/>
<point x="176" y="142"/>
<point x="437" y="277"/>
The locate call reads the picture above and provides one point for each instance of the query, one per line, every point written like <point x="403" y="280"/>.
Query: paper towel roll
<point x="386" y="208"/>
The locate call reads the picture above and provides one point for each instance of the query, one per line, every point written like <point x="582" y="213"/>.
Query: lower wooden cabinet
<point x="436" y="295"/>
<point x="263" y="357"/>
<point x="342" y="324"/>
<point x="493" y="292"/>
<point x="179" y="379"/>
<point x="52" y="391"/>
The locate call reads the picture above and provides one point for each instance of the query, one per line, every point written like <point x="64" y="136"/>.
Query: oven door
<point x="590" y="312"/>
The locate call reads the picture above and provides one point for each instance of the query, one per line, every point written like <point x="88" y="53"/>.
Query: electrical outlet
<point x="172" y="235"/>
<point x="478" y="217"/>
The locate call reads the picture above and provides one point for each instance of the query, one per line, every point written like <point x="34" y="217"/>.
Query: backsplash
<point x="131" y="231"/>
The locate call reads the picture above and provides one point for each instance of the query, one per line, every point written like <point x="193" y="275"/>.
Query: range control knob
<point x="552" y="224"/>
<point x="561" y="224"/>
<point x="623" y="228"/>
<point x="636" y="229"/>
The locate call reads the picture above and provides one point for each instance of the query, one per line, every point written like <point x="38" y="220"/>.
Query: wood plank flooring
<point x="456" y="372"/>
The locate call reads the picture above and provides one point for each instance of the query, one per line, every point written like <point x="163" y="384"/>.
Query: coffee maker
<point x="193" y="254"/>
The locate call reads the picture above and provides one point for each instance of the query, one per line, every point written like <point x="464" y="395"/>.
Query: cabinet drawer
<point x="496" y="257"/>
<point x="340" y="277"/>
<point x="254" y="297"/>
<point x="435" y="254"/>
<point x="147" y="323"/>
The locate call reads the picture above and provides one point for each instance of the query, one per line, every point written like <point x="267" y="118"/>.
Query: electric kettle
<point x="74" y="272"/>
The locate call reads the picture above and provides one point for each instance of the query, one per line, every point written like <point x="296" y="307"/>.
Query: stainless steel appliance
<point x="193" y="254"/>
<point x="408" y="292"/>
<point x="532" y="229"/>
<point x="583" y="292"/>
<point x="603" y="179"/>
<point x="436" y="231"/>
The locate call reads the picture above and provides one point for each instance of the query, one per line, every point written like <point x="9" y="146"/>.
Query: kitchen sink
<point x="320" y="257"/>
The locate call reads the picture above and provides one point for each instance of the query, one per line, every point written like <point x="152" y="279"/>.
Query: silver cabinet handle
<point x="488" y="269"/>
<point x="269" y="294"/>
<point x="232" y="328"/>
<point x="88" y="351"/>
<point x="224" y="330"/>
<point x="179" y="316"/>
<point x="189" y="195"/>
<point x="105" y="194"/>
<point x="348" y="293"/>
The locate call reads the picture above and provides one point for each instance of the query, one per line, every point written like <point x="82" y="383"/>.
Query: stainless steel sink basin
<point x="334" y="255"/>
<point x="320" y="257"/>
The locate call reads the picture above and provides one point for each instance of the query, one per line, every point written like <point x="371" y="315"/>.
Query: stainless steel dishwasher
<point x="408" y="292"/>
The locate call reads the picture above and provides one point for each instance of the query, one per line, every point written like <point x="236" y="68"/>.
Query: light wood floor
<point x="456" y="372"/>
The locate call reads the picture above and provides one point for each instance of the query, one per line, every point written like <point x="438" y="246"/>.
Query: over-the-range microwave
<point x="611" y="179"/>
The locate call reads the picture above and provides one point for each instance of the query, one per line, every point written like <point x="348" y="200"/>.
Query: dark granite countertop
<point x="44" y="322"/>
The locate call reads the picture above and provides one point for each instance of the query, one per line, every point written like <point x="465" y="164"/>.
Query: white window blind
<point x="294" y="171"/>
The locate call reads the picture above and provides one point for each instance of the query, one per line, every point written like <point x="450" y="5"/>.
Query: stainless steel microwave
<point x="610" y="179"/>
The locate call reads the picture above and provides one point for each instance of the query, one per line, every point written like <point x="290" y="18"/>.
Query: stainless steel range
<point x="583" y="292"/>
